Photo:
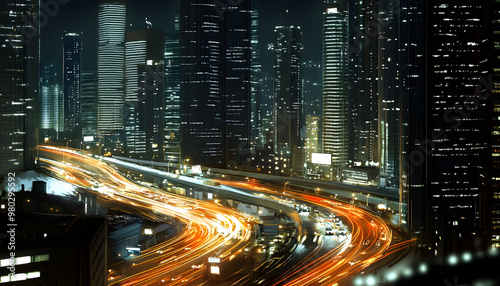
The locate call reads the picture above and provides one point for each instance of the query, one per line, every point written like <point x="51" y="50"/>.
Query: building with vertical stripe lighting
<point x="335" y="88"/>
<point x="110" y="68"/>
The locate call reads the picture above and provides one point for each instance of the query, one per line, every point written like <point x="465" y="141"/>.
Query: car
<point x="328" y="231"/>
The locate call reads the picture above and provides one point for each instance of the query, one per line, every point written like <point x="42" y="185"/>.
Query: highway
<point x="369" y="241"/>
<point x="211" y="228"/>
<point x="318" y="259"/>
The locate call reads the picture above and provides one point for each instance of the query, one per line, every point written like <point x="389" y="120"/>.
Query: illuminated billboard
<point x="321" y="158"/>
<point x="88" y="138"/>
<point x="196" y="169"/>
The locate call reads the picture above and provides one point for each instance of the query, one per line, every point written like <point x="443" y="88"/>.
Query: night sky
<point x="81" y="16"/>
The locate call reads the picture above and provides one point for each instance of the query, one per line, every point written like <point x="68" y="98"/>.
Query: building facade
<point x="172" y="97"/>
<point x="19" y="84"/>
<point x="144" y="115"/>
<point x="110" y="66"/>
<point x="335" y="84"/>
<point x="51" y="103"/>
<point x="287" y="110"/>
<point x="72" y="62"/>
<point x="215" y="95"/>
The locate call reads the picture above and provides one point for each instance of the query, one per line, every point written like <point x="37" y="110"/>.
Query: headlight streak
<point x="199" y="238"/>
<point x="365" y="227"/>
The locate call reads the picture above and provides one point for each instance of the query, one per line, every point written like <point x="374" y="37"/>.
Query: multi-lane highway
<point x="211" y="228"/>
<point x="368" y="240"/>
<point x="215" y="230"/>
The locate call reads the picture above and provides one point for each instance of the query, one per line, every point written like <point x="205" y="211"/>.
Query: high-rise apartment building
<point x="19" y="84"/>
<point x="335" y="83"/>
<point x="110" y="66"/>
<point x="72" y="62"/>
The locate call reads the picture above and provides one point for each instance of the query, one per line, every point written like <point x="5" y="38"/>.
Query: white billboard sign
<point x="321" y="158"/>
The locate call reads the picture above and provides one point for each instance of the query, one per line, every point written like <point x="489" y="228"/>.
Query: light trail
<point x="363" y="246"/>
<point x="201" y="237"/>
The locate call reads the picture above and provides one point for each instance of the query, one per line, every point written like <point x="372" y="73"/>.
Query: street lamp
<point x="100" y="147"/>
<point x="184" y="164"/>
<point x="284" y="187"/>
<point x="168" y="166"/>
<point x="367" y="196"/>
<point x="153" y="159"/>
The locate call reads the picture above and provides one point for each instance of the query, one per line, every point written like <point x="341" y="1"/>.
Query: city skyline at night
<point x="249" y="142"/>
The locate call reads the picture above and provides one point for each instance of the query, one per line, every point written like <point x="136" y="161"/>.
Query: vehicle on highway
<point x="328" y="231"/>
<point x="108" y="154"/>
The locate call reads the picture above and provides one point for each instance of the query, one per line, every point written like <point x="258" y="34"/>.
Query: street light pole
<point x="367" y="196"/>
<point x="284" y="187"/>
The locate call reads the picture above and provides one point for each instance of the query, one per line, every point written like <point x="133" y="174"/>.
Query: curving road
<point x="211" y="229"/>
<point x="369" y="241"/>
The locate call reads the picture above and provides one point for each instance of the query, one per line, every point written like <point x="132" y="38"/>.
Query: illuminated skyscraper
<point x="144" y="116"/>
<point x="202" y="101"/>
<point x="51" y="100"/>
<point x="172" y="97"/>
<point x="335" y="85"/>
<point x="110" y="73"/>
<point x="256" y="84"/>
<point x="72" y="61"/>
<point x="19" y="84"/>
<point x="492" y="87"/>
<point x="287" y="94"/>
<point x="363" y="67"/>
<point x="457" y="123"/>
<point x="215" y="94"/>
<point x="89" y="104"/>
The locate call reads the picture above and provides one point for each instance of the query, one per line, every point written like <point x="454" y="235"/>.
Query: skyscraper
<point x="256" y="80"/>
<point x="239" y="60"/>
<point x="72" y="61"/>
<point x="172" y="97"/>
<point x="215" y="93"/>
<point x="412" y="123"/>
<point x="335" y="84"/>
<point x="201" y="38"/>
<point x="492" y="87"/>
<point x="144" y="116"/>
<point x="89" y="104"/>
<point x="19" y="84"/>
<point x="51" y="99"/>
<point x="110" y="68"/>
<point x="287" y="94"/>
<point x="363" y="67"/>
<point x="457" y="123"/>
